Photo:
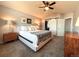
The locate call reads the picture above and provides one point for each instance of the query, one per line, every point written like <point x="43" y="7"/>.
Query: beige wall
<point x="16" y="15"/>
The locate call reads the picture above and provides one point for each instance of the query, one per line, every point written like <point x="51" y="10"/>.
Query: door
<point x="46" y="27"/>
<point x="68" y="25"/>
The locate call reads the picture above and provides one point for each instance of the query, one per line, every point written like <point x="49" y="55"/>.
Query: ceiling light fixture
<point x="46" y="8"/>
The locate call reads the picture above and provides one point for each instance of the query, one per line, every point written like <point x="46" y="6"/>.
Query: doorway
<point x="68" y="25"/>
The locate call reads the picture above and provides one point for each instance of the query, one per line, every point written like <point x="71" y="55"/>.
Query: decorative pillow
<point x="33" y="28"/>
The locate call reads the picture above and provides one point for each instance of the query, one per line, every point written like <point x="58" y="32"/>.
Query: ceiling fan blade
<point x="52" y="3"/>
<point x="47" y="3"/>
<point x="51" y="8"/>
<point x="44" y="2"/>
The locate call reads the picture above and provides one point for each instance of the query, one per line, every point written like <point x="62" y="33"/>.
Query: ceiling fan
<point x="47" y="5"/>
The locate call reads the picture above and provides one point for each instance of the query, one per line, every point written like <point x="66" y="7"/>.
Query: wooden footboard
<point x="41" y="44"/>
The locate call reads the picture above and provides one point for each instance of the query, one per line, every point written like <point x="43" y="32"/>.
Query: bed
<point x="35" y="39"/>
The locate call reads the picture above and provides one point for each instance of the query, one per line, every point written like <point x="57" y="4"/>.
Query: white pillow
<point x="29" y="28"/>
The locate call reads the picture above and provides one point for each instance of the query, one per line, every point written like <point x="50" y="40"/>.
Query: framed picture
<point x="23" y="20"/>
<point x="29" y="21"/>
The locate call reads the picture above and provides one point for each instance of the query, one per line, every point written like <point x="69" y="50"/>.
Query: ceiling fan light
<point x="46" y="8"/>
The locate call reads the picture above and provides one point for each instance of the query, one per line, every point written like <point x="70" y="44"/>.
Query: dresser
<point x="71" y="44"/>
<point x="9" y="36"/>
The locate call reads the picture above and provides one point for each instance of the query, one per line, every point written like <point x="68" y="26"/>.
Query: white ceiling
<point x="31" y="7"/>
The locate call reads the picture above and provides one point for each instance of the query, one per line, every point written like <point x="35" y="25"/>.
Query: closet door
<point x="60" y="27"/>
<point x="52" y="26"/>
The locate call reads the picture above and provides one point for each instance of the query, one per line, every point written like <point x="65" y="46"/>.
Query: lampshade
<point x="77" y="22"/>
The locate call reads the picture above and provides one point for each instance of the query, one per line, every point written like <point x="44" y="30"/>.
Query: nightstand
<point x="10" y="36"/>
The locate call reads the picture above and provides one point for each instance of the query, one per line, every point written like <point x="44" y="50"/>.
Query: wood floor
<point x="55" y="48"/>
